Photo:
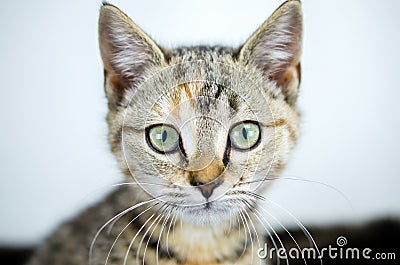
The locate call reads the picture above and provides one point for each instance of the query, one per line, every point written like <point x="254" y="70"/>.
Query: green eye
<point x="163" y="138"/>
<point x="245" y="135"/>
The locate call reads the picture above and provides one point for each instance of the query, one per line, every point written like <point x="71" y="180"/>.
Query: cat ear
<point x="127" y="52"/>
<point x="275" y="48"/>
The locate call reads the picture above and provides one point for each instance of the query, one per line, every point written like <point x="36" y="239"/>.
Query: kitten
<point x="197" y="131"/>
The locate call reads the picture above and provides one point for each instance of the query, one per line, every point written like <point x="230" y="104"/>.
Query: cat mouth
<point x="207" y="209"/>
<point x="207" y="206"/>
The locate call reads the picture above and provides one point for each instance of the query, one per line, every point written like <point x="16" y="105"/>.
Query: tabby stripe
<point x="233" y="101"/>
<point x="162" y="252"/>
<point x="219" y="91"/>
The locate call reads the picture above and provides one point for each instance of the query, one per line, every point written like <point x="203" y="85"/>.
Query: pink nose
<point x="206" y="189"/>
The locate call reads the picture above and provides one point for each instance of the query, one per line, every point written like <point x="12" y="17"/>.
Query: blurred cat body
<point x="196" y="202"/>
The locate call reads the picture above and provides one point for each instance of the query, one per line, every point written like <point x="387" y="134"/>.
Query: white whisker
<point x="151" y="234"/>
<point x="169" y="230"/>
<point x="118" y="236"/>
<point x="109" y="221"/>
<point x="251" y="221"/>
<point x="303" y="228"/>
<point x="290" y="235"/>
<point x="245" y="232"/>
<point x="257" y="215"/>
<point x="134" y="238"/>
<point x="255" y="231"/>
<point x="297" y="178"/>
<point x="161" y="231"/>
<point x="273" y="230"/>
<point x="144" y="236"/>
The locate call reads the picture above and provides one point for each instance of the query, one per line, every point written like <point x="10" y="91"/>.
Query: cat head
<point x="202" y="128"/>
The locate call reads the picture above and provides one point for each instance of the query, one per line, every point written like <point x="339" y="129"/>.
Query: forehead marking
<point x="157" y="108"/>
<point x="182" y="101"/>
<point x="175" y="101"/>
<point x="233" y="101"/>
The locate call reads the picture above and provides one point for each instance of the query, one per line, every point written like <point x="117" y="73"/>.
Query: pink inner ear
<point x="117" y="85"/>
<point x="275" y="48"/>
<point x="285" y="77"/>
<point x="288" y="81"/>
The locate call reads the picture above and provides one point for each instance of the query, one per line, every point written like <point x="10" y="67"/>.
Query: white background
<point x="54" y="158"/>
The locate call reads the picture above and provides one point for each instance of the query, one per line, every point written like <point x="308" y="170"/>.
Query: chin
<point x="207" y="214"/>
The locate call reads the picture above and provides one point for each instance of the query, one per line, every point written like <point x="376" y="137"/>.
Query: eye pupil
<point x="245" y="135"/>
<point x="244" y="132"/>
<point x="164" y="136"/>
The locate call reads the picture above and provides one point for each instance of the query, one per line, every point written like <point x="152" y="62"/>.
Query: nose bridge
<point x="199" y="142"/>
<point x="204" y="155"/>
<point x="202" y="152"/>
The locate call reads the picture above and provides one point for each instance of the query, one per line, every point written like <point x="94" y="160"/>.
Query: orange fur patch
<point x="157" y="108"/>
<point x="283" y="122"/>
<point x="175" y="101"/>
<point x="209" y="173"/>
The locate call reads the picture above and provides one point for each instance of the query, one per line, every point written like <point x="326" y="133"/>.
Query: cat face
<point x="202" y="128"/>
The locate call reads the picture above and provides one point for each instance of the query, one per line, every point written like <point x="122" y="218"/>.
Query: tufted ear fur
<point x="127" y="53"/>
<point x="275" y="48"/>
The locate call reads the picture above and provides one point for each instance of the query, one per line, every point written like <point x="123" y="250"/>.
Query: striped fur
<point x="202" y="92"/>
